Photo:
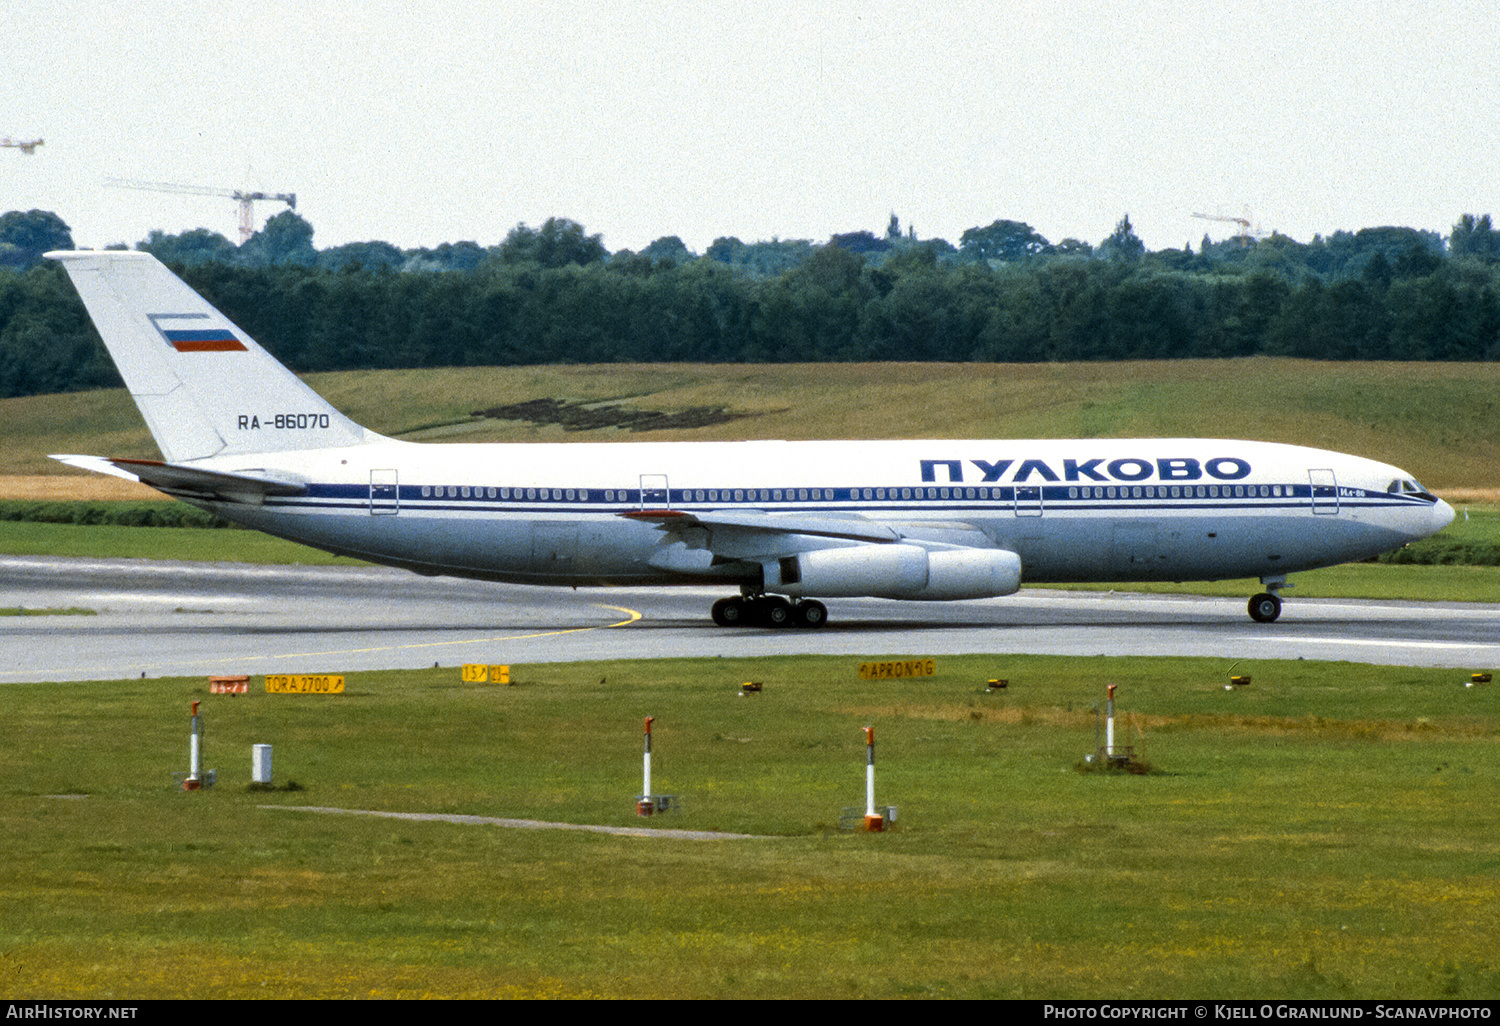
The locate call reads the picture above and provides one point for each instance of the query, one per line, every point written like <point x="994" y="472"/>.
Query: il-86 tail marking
<point x="204" y="387"/>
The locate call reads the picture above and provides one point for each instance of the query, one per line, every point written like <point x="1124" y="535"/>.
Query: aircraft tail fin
<point x="203" y="386"/>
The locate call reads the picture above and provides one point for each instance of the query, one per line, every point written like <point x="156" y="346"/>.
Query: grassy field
<point x="1441" y="422"/>
<point x="103" y="541"/>
<point x="1327" y="831"/>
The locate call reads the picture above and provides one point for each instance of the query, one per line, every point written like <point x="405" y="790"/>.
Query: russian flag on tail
<point x="196" y="340"/>
<point x="209" y="340"/>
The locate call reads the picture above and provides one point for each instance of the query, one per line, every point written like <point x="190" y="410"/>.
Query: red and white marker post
<point x="194" y="779"/>
<point x="1109" y="723"/>
<point x="646" y="805"/>
<point x="874" y="821"/>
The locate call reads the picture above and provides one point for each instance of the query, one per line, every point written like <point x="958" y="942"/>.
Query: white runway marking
<point x="1377" y="643"/>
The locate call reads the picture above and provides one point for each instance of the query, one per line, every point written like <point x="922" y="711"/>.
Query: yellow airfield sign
<point x="482" y="673"/>
<point x="898" y="669"/>
<point x="304" y="684"/>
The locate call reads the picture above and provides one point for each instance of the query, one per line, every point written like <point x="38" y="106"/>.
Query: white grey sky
<point x="421" y="123"/>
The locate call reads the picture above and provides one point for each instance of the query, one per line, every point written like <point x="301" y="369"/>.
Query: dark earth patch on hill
<point x="583" y="416"/>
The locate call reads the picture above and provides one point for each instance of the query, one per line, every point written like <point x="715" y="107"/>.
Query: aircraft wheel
<point x="811" y="614"/>
<point x="1265" y="608"/>
<point x="776" y="612"/>
<point x="730" y="612"/>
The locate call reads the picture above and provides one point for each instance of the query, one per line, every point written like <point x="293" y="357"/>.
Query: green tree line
<point x="555" y="294"/>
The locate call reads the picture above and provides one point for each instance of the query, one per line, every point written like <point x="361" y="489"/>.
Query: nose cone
<point x="1442" y="516"/>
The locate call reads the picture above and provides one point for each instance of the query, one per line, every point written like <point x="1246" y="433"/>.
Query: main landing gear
<point x="1266" y="607"/>
<point x="768" y="611"/>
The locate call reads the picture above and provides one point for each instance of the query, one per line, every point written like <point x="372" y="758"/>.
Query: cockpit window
<point x="1406" y="486"/>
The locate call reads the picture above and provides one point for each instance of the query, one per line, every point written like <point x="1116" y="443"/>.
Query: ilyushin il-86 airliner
<point x="783" y="523"/>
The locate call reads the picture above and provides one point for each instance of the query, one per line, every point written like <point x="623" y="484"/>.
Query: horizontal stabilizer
<point x="190" y="482"/>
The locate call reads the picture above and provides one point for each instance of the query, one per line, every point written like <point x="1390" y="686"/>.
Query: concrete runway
<point x="160" y="619"/>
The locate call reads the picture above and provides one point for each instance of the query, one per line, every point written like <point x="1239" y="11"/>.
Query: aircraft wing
<point x="190" y="482"/>
<point x="835" y="555"/>
<point x="705" y="542"/>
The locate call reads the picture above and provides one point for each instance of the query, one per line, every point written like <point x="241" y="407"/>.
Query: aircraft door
<point x="1325" y="492"/>
<point x="654" y="492"/>
<point x="1028" y="500"/>
<point x="385" y="493"/>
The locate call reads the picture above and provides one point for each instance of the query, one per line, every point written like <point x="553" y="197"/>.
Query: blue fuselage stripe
<point x="867" y="501"/>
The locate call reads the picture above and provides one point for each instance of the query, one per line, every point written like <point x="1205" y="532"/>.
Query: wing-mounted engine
<point x="899" y="571"/>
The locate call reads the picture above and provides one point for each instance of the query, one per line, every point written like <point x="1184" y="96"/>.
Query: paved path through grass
<point x="527" y="824"/>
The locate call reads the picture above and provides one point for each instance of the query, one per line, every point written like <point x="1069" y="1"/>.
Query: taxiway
<point x="158" y="619"/>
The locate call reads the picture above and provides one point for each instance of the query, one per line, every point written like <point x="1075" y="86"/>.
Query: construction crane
<point x="1245" y="235"/>
<point x="24" y="145"/>
<point x="245" y="197"/>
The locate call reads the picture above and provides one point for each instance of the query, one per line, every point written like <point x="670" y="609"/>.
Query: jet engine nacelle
<point x="898" y="572"/>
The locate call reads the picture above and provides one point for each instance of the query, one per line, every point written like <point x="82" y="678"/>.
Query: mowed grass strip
<point x="1325" y="832"/>
<point x="105" y="541"/>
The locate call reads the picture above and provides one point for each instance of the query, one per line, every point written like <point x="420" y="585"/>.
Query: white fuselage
<point x="1072" y="510"/>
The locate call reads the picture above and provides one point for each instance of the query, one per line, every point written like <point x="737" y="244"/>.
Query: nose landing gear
<point x="1266" y="607"/>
